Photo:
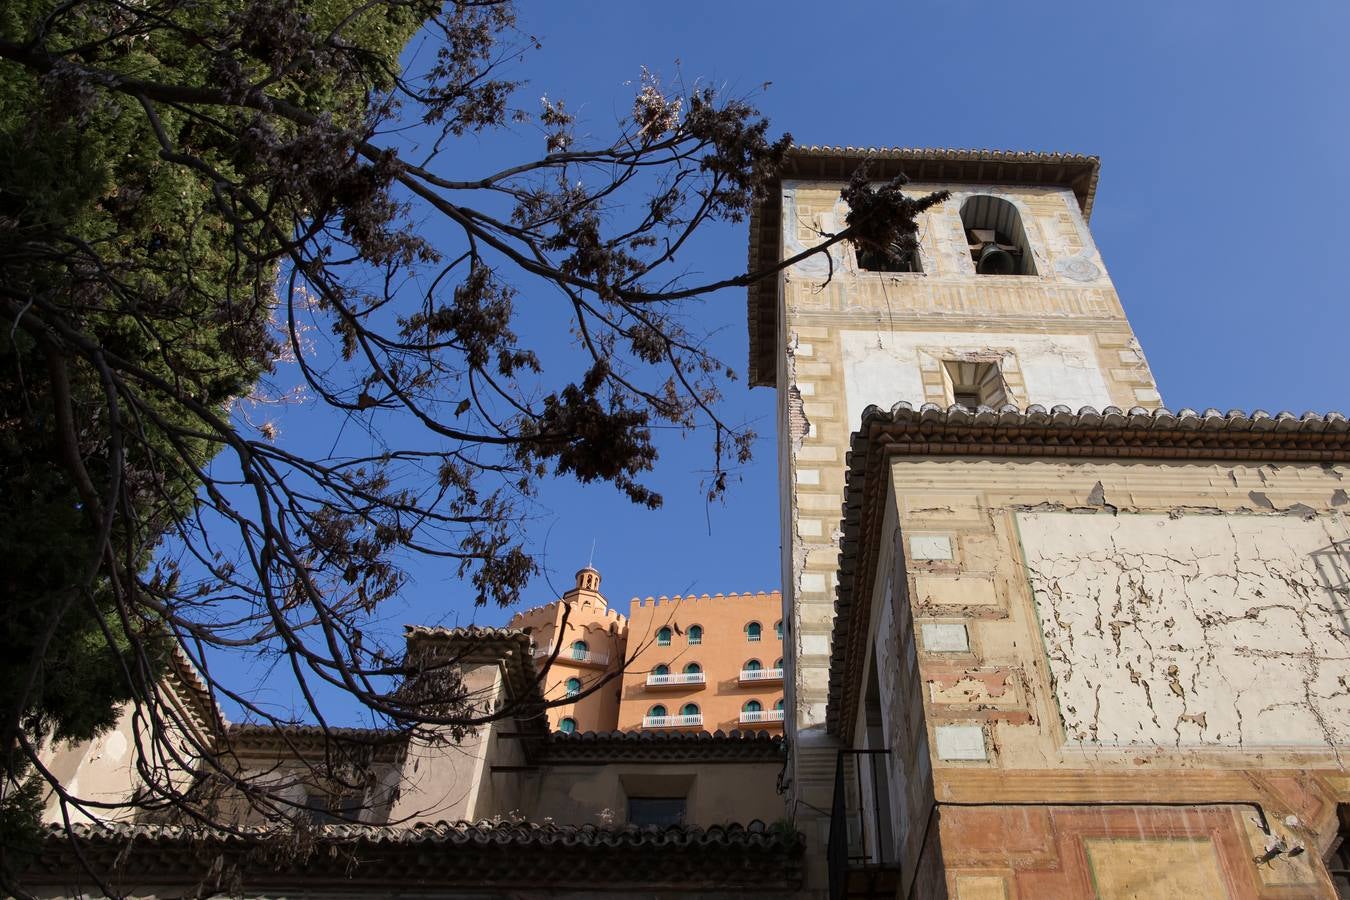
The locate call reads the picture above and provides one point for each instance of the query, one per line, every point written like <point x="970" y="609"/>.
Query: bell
<point x="995" y="261"/>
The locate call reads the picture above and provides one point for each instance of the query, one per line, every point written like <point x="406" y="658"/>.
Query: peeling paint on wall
<point x="1194" y="630"/>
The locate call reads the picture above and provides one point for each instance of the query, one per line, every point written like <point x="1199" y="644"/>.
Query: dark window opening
<point x="1338" y="860"/>
<point x="894" y="258"/>
<point x="660" y="811"/>
<point x="976" y="384"/>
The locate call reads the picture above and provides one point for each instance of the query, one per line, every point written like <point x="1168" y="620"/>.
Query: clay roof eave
<point x="1111" y="434"/>
<point x="1075" y="171"/>
<point x="365" y="859"/>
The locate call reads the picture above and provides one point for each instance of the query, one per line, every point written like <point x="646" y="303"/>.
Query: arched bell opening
<point x="997" y="240"/>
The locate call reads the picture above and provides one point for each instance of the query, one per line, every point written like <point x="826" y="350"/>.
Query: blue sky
<point x="1222" y="128"/>
<point x="1221" y="211"/>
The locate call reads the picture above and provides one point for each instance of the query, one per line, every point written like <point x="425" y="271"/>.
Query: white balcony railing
<point x="762" y="674"/>
<point x="655" y="680"/>
<point x="567" y="654"/>
<point x="763" y="715"/>
<point x="671" y="721"/>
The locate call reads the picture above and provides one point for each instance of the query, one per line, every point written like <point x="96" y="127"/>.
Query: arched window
<point x="779" y="705"/>
<point x="656" y="711"/>
<point x="752" y="665"/>
<point x="778" y="663"/>
<point x="689" y="709"/>
<point x="663" y="636"/>
<point x="580" y="650"/>
<point x="752" y="631"/>
<point x="573" y="686"/>
<point x="567" y="726"/>
<point x="778" y="629"/>
<point x="692" y="668"/>
<point x="751" y="706"/>
<point x="661" y="669"/>
<point x="695" y="634"/>
<point x="997" y="240"/>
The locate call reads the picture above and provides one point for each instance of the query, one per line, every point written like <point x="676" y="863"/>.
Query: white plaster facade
<point x="884" y="368"/>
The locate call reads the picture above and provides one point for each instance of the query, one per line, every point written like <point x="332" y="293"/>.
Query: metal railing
<point x="762" y="715"/>
<point x="859" y="818"/>
<point x="671" y="721"/>
<point x="775" y="674"/>
<point x="656" y="680"/>
<point x="567" y="654"/>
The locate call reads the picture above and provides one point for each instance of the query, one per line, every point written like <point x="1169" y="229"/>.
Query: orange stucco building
<point x="693" y="663"/>
<point x="704" y="663"/>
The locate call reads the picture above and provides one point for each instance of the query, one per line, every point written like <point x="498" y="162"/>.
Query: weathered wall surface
<point x="452" y="781"/>
<point x="1162" y="636"/>
<point x="1195" y="629"/>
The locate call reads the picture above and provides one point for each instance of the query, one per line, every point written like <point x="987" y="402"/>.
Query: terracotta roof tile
<point x="753" y="857"/>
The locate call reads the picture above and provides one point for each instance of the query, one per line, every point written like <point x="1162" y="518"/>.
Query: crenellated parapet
<point x="685" y="599"/>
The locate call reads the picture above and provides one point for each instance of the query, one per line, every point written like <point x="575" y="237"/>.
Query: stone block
<point x="930" y="547"/>
<point x="945" y="637"/>
<point x="960" y="743"/>
<point x="818" y="454"/>
<point x="955" y="590"/>
<point x="827" y="501"/>
<point x="813" y="582"/>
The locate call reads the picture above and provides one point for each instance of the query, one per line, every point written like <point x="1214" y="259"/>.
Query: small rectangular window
<point x="976" y="383"/>
<point x="660" y="811"/>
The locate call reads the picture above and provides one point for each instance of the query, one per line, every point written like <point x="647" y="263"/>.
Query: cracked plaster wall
<point x="1194" y="629"/>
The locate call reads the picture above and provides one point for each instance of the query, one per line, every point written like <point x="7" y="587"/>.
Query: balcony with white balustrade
<point x="762" y="717"/>
<point x="759" y="676"/>
<point x="677" y="680"/>
<point x="695" y="721"/>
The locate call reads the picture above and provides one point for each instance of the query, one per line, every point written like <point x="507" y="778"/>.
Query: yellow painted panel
<point x="1155" y="869"/>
